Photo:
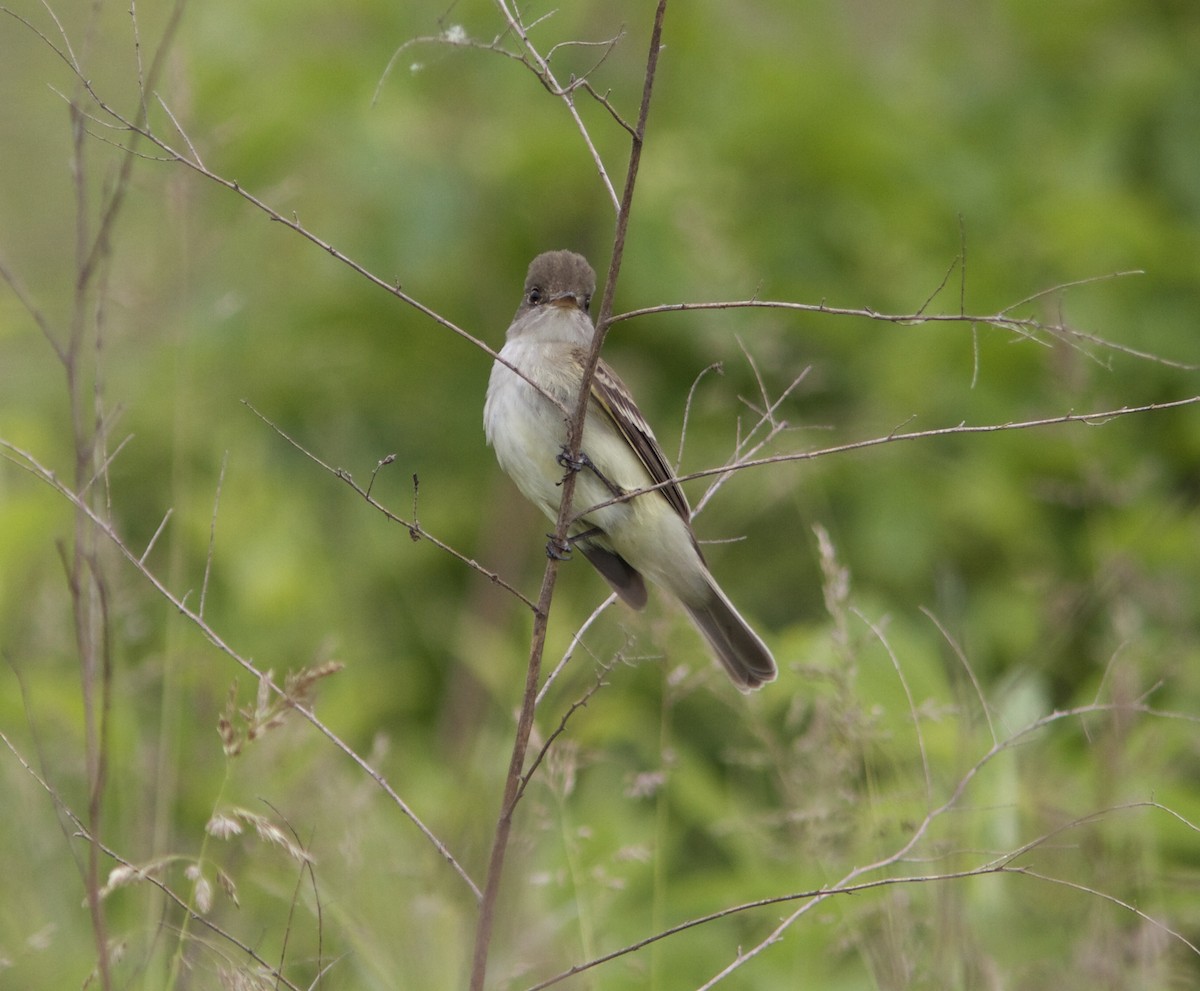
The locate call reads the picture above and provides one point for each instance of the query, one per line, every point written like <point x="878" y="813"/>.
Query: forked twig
<point x="180" y="902"/>
<point x="414" y="528"/>
<point x="106" y="528"/>
<point x="852" y="882"/>
<point x="1096" y="418"/>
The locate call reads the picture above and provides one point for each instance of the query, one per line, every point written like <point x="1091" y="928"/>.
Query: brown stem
<point x="512" y="783"/>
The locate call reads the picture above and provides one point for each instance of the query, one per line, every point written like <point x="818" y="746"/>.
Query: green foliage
<point x="837" y="153"/>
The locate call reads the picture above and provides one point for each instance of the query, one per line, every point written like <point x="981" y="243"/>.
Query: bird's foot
<point x="560" y="550"/>
<point x="572" y="463"/>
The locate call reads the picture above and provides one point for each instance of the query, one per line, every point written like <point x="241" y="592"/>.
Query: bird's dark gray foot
<point x="561" y="550"/>
<point x="558" y="550"/>
<point x="582" y="462"/>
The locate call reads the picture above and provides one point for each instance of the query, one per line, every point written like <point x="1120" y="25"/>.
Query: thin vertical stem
<point x="512" y="784"/>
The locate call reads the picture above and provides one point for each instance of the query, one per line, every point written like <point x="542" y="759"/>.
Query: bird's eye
<point x="535" y="296"/>
<point x="587" y="303"/>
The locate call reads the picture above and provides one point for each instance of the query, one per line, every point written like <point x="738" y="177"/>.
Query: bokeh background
<point x="848" y="153"/>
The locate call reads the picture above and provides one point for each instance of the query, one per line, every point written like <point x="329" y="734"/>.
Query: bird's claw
<point x="558" y="550"/>
<point x="572" y="463"/>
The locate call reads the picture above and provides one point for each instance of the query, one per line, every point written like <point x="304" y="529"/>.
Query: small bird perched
<point x="647" y="535"/>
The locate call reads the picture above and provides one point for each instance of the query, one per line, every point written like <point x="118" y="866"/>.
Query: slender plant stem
<point x="513" y="780"/>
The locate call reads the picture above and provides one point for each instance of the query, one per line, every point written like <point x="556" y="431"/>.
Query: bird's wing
<point x="614" y="399"/>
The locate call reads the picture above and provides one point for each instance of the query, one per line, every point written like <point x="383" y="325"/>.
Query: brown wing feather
<point x="614" y="399"/>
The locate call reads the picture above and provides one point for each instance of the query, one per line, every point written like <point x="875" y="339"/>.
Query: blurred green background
<point x="814" y="152"/>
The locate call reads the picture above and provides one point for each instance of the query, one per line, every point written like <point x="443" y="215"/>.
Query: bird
<point x="646" y="536"/>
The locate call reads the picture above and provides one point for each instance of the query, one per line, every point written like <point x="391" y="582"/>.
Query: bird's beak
<point x="566" y="300"/>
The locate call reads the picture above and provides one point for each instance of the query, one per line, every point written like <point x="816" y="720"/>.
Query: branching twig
<point x="1097" y="418"/>
<point x="180" y="902"/>
<point x="39" y="471"/>
<point x="576" y="640"/>
<point x="579" y="703"/>
<point x="744" y="450"/>
<point x="414" y="528"/>
<point x="1025" y="327"/>
<point x="456" y="37"/>
<point x="542" y="69"/>
<point x="851" y="884"/>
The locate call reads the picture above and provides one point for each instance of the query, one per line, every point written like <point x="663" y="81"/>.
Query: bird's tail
<point x="738" y="647"/>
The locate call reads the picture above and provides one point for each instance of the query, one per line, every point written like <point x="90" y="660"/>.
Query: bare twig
<point x="745" y="449"/>
<point x="940" y="286"/>
<point x="1004" y="863"/>
<point x="1109" y="897"/>
<point x="415" y="530"/>
<point x="157" y="534"/>
<point x="106" y="528"/>
<point x="31" y="308"/>
<point x="529" y="56"/>
<point x="542" y="69"/>
<point x="1024" y="327"/>
<point x="102" y="470"/>
<point x="717" y="367"/>
<point x="576" y="640"/>
<point x="182" y="133"/>
<point x="1097" y="418"/>
<point x="142" y="874"/>
<point x="966" y="664"/>
<point x="915" y="717"/>
<point x="579" y="703"/>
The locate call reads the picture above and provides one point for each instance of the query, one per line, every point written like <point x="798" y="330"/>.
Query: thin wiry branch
<point x="1003" y="863"/>
<point x="1028" y="328"/>
<point x="938" y="291"/>
<point x="31" y="308"/>
<point x="576" y="640"/>
<point x="137" y="57"/>
<point x="747" y="447"/>
<point x="717" y="367"/>
<point x="579" y="703"/>
<point x="1109" y="897"/>
<point x="141" y="873"/>
<point x="528" y="55"/>
<point x="102" y="471"/>
<point x="880" y="634"/>
<point x="66" y="53"/>
<point x="1094" y="419"/>
<point x="26" y="460"/>
<point x="414" y="528"/>
<point x="157" y="533"/>
<point x="541" y="68"/>
<point x="181" y="132"/>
